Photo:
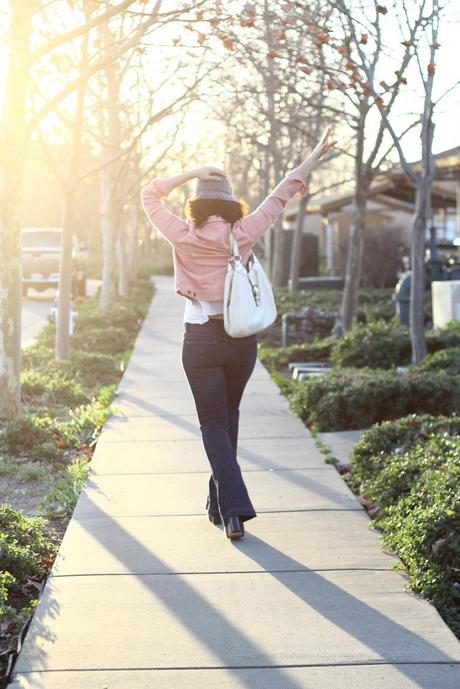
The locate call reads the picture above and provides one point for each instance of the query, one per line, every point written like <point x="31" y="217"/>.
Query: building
<point x="390" y="212"/>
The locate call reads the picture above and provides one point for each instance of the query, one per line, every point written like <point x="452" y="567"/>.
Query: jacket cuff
<point x="160" y="187"/>
<point x="296" y="175"/>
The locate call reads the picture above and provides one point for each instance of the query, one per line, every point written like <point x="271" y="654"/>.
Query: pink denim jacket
<point x="200" y="255"/>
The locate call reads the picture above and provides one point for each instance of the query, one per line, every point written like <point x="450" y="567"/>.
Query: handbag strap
<point x="233" y="243"/>
<point x="236" y="256"/>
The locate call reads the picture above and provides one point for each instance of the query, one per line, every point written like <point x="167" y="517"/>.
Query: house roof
<point x="393" y="188"/>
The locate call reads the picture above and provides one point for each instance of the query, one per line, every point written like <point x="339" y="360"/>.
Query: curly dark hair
<point x="199" y="210"/>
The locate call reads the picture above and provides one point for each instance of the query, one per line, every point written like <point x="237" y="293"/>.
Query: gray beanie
<point x="218" y="188"/>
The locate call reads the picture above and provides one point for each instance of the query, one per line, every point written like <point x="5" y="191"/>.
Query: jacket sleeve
<point x="256" y="223"/>
<point x="169" y="225"/>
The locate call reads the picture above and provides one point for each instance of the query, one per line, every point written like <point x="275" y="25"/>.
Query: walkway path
<point x="146" y="593"/>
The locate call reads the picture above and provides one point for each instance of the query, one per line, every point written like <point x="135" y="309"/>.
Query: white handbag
<point x="249" y="303"/>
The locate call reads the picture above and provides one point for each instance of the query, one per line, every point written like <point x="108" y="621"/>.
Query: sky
<point x="199" y="117"/>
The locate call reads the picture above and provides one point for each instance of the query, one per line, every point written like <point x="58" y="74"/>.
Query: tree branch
<point x="35" y="119"/>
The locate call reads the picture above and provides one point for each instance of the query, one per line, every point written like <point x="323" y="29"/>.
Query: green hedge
<point x="25" y="551"/>
<point x="423" y="526"/>
<point x="384" y="438"/>
<point x="376" y="345"/>
<point x="382" y="345"/>
<point x="89" y="367"/>
<point x="409" y="471"/>
<point x="442" y="360"/>
<point x="51" y="389"/>
<point x="110" y="340"/>
<point x="358" y="398"/>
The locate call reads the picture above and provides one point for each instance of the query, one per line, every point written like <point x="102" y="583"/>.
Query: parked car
<point x="41" y="255"/>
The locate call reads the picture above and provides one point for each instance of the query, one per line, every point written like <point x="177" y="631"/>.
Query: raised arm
<point x="170" y="225"/>
<point x="256" y="223"/>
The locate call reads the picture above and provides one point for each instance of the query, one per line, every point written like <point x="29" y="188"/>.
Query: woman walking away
<point x="218" y="366"/>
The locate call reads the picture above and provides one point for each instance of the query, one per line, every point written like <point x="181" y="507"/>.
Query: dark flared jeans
<point x="218" y="367"/>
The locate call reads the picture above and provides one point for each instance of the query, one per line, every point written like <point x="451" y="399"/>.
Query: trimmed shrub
<point x="382" y="345"/>
<point x="65" y="489"/>
<point x="395" y="437"/>
<point x="24" y="543"/>
<point x="357" y="398"/>
<point x="47" y="336"/>
<point x="445" y="338"/>
<point x="401" y="471"/>
<point x="409" y="472"/>
<point x="375" y="345"/>
<point x="285" y="384"/>
<point x="41" y="438"/>
<point x="108" y="340"/>
<point x="25" y="552"/>
<point x="423" y="527"/>
<point x="123" y="314"/>
<point x="52" y="389"/>
<point x="442" y="360"/>
<point x="415" y="499"/>
<point x="96" y="368"/>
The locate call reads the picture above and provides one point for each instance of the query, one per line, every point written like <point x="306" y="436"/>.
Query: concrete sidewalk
<point x="147" y="593"/>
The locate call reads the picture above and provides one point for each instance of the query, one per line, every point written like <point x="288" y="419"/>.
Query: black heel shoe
<point x="234" y="528"/>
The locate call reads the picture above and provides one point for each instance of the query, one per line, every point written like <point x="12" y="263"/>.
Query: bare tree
<point x="68" y="219"/>
<point x="272" y="101"/>
<point x="16" y="129"/>
<point x="12" y="156"/>
<point x="353" y="52"/>
<point x="424" y="44"/>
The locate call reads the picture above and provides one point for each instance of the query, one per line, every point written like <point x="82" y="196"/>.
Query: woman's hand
<point x="325" y="143"/>
<point x="209" y="173"/>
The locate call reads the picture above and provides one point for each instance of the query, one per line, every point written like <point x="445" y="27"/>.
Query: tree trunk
<point x="12" y="157"/>
<point x="349" y="305"/>
<point x="328" y="232"/>
<point x="278" y="253"/>
<point x="68" y="221"/>
<point x="106" y="295"/>
<point x="296" y="250"/>
<point x="133" y="241"/>
<point x="422" y="216"/>
<point x="417" y="297"/>
<point x="108" y="286"/>
<point x="122" y="257"/>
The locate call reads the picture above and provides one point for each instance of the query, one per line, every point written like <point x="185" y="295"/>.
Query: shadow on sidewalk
<point x="213" y="630"/>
